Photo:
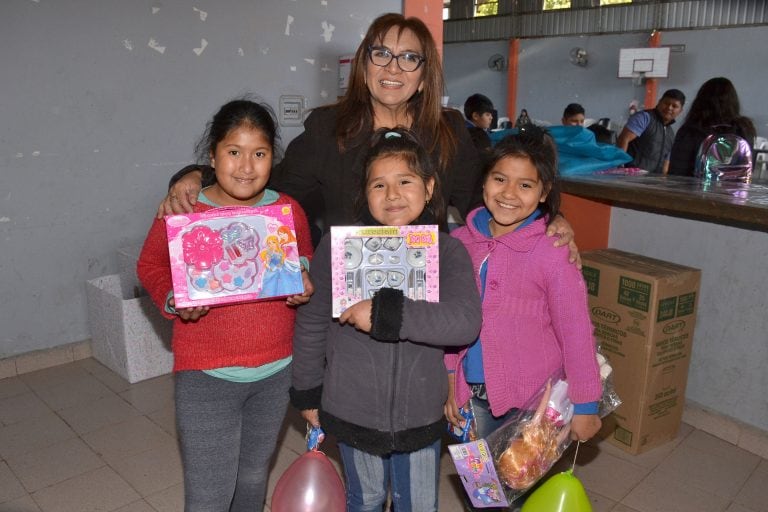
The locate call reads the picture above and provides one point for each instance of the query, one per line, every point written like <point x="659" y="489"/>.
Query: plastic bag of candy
<point x="526" y="447"/>
<point x="499" y="469"/>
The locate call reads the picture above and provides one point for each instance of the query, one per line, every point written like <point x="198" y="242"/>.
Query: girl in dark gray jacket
<point x="375" y="378"/>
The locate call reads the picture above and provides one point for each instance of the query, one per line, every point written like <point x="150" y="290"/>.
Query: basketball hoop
<point x="641" y="64"/>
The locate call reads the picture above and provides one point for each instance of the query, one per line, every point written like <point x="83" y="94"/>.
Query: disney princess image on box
<point x="281" y="275"/>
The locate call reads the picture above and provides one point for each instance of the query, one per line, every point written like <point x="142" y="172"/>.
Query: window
<point x="566" y="4"/>
<point x="486" y="7"/>
<point x="556" y="4"/>
<point x="447" y="9"/>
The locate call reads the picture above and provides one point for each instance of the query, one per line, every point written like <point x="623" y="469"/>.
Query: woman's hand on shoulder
<point x="182" y="196"/>
<point x="562" y="228"/>
<point x="309" y="290"/>
<point x="358" y="316"/>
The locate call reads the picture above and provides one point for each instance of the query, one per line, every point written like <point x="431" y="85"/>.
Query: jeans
<point x="486" y="422"/>
<point x="227" y="434"/>
<point x="413" y="478"/>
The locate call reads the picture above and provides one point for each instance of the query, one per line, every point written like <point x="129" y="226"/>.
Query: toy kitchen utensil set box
<point x="233" y="254"/>
<point x="365" y="259"/>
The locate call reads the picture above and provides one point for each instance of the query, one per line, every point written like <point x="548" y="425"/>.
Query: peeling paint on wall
<point x="153" y="44"/>
<point x="203" y="14"/>
<point x="155" y="10"/>
<point x="203" y="44"/>
<point x="310" y="61"/>
<point x="288" y="24"/>
<point x="293" y="68"/>
<point x="128" y="44"/>
<point x="325" y="68"/>
<point x="324" y="94"/>
<point x="5" y="219"/>
<point x="264" y="50"/>
<point x="240" y="52"/>
<point x="328" y="31"/>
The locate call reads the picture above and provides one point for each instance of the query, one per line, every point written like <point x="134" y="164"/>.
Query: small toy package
<point x="365" y="259"/>
<point x="233" y="254"/>
<point x="475" y="467"/>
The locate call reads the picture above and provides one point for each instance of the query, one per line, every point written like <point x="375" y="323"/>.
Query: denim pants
<point x="485" y="422"/>
<point x="412" y="476"/>
<point x="227" y="434"/>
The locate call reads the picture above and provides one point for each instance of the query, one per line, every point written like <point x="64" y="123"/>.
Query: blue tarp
<point x="578" y="152"/>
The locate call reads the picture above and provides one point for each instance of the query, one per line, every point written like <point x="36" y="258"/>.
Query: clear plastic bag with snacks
<point x="526" y="447"/>
<point x="499" y="469"/>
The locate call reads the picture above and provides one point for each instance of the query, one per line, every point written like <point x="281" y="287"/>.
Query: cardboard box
<point x="644" y="313"/>
<point x="365" y="259"/>
<point x="228" y="255"/>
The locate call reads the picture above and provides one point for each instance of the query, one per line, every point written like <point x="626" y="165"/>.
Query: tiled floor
<point x="78" y="438"/>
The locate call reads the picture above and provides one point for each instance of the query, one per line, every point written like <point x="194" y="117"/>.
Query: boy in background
<point x="573" y="115"/>
<point x="478" y="110"/>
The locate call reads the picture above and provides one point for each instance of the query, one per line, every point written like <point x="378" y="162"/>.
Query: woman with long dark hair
<point x="396" y="81"/>
<point x="716" y="109"/>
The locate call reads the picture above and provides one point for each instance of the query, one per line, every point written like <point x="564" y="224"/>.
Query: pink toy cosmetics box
<point x="365" y="259"/>
<point x="233" y="254"/>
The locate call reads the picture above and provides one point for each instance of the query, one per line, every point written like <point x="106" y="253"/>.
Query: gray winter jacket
<point x="383" y="396"/>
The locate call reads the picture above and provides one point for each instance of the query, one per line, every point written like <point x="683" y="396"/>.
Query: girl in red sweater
<point x="231" y="362"/>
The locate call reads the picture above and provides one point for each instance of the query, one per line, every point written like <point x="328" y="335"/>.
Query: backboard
<point x="648" y="62"/>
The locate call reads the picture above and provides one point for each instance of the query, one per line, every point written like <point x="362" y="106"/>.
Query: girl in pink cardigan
<point x="535" y="314"/>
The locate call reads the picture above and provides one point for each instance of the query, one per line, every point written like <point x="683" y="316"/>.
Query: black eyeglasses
<point x="406" y="61"/>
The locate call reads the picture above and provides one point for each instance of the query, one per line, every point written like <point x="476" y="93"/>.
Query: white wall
<point x="547" y="81"/>
<point x="730" y="347"/>
<point x="473" y="75"/>
<point x="94" y="122"/>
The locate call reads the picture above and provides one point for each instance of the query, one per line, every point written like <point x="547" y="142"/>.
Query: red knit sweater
<point x="248" y="334"/>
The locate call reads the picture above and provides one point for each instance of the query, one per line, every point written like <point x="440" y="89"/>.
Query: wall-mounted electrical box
<point x="292" y="110"/>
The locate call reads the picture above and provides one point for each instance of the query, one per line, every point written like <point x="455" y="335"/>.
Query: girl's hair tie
<point x="390" y="135"/>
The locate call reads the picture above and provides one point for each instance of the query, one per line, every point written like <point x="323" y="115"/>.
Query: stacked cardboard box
<point x="644" y="313"/>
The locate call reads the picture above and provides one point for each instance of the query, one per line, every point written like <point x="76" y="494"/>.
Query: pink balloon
<point x="310" y="484"/>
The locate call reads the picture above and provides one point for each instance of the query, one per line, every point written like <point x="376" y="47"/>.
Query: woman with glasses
<point x="396" y="81"/>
